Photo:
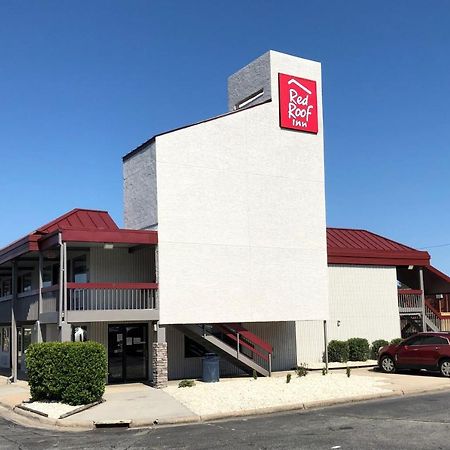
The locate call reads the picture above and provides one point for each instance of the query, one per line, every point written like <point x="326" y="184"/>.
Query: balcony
<point x="95" y="302"/>
<point x="85" y="302"/>
<point x="410" y="301"/>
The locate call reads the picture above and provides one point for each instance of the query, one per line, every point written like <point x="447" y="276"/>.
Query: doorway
<point x="23" y="342"/>
<point x="127" y="353"/>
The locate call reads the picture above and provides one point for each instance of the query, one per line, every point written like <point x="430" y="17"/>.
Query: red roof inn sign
<point x="298" y="103"/>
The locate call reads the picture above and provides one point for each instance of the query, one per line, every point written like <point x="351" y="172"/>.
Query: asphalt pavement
<point x="419" y="422"/>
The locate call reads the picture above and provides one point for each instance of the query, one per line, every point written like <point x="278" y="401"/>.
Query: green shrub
<point x="186" y="383"/>
<point x="288" y="378"/>
<point x="69" y="372"/>
<point x="301" y="370"/>
<point x="358" y="349"/>
<point x="337" y="351"/>
<point x="396" y="341"/>
<point x="376" y="345"/>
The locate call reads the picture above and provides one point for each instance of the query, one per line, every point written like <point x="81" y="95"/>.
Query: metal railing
<point x="433" y="316"/>
<point x="110" y="296"/>
<point x="410" y="301"/>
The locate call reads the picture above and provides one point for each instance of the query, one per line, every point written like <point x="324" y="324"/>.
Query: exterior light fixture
<point x="108" y="246"/>
<point x="338" y="323"/>
<point x="410" y="267"/>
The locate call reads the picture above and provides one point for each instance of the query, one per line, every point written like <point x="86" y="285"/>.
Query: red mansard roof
<point x="78" y="225"/>
<point x="87" y="219"/>
<point x="349" y="246"/>
<point x="345" y="246"/>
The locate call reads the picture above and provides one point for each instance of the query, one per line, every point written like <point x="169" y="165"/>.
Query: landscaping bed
<point x="240" y="394"/>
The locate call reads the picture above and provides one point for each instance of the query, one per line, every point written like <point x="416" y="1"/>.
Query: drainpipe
<point x="325" y="339"/>
<point x="61" y="280"/>
<point x="424" y="324"/>
<point x="13" y="323"/>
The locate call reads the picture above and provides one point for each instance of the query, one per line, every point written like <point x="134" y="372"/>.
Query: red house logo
<point x="298" y="103"/>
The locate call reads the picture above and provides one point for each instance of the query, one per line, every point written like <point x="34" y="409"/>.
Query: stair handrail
<point x="434" y="310"/>
<point x="242" y="338"/>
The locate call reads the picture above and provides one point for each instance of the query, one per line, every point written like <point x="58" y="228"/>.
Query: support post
<point x="325" y="341"/>
<point x="424" y="324"/>
<point x="41" y="282"/>
<point x="64" y="245"/>
<point x="159" y="358"/>
<point x="13" y="323"/>
<point x="61" y="281"/>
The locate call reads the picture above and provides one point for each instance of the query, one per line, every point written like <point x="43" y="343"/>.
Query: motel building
<point x="225" y="250"/>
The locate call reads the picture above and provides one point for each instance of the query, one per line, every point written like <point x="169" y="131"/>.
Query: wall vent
<point x="247" y="100"/>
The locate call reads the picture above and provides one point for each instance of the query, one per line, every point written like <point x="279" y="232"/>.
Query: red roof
<point x="81" y="219"/>
<point x="78" y="225"/>
<point x="349" y="246"/>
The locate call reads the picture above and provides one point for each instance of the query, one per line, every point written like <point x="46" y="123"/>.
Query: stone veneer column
<point x="159" y="364"/>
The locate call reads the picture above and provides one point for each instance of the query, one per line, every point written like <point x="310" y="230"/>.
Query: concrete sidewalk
<point x="138" y="405"/>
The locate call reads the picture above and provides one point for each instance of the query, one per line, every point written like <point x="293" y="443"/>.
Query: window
<point x="50" y="275"/>
<point x="24" y="283"/>
<point x="416" y="340"/>
<point x="5" y="287"/>
<point x="47" y="277"/>
<point x="5" y="339"/>
<point x="80" y="270"/>
<point x="434" y="340"/>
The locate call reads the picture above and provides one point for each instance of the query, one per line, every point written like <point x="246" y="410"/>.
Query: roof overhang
<point x="20" y="247"/>
<point x="435" y="281"/>
<point x="378" y="257"/>
<point x="135" y="237"/>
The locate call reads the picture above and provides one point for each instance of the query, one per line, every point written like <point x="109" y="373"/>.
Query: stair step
<point x="216" y="345"/>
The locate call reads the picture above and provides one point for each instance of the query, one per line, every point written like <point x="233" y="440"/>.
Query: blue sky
<point x="84" y="82"/>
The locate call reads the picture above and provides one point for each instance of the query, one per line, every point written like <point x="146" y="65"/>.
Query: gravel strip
<point x="233" y="395"/>
<point x="53" y="409"/>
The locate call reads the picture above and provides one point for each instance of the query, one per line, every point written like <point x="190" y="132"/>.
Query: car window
<point x="434" y="340"/>
<point x="416" y="340"/>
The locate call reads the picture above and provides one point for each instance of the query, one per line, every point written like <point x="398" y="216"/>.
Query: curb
<point x="140" y="423"/>
<point x="80" y="425"/>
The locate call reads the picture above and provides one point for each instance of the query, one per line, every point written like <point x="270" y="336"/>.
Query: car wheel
<point x="387" y="364"/>
<point x="444" y="367"/>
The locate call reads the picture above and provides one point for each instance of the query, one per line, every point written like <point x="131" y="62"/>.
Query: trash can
<point x="211" y="368"/>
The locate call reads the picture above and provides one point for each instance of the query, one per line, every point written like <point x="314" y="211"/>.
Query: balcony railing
<point x="111" y="296"/>
<point x="409" y="301"/>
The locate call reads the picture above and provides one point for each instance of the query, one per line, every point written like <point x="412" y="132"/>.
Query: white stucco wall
<point x="363" y="299"/>
<point x="241" y="215"/>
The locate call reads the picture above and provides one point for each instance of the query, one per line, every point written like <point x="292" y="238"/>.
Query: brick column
<point x="159" y="364"/>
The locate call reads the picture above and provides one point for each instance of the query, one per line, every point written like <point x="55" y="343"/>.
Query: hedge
<point x="70" y="372"/>
<point x="376" y="346"/>
<point x="358" y="349"/>
<point x="396" y="341"/>
<point x="338" y="351"/>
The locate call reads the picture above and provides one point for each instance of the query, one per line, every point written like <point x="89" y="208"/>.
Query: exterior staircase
<point x="411" y="314"/>
<point x="234" y="343"/>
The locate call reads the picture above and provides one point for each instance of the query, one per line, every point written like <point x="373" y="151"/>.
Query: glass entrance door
<point x="23" y="342"/>
<point x="127" y="353"/>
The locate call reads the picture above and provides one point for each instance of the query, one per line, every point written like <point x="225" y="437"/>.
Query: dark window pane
<point x="435" y="340"/>
<point x="80" y="270"/>
<point x="416" y="340"/>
